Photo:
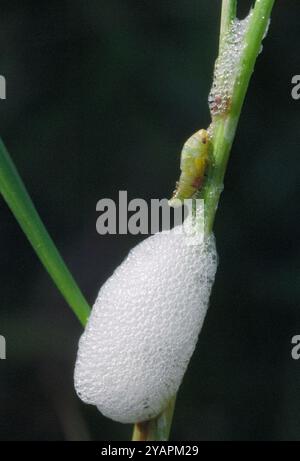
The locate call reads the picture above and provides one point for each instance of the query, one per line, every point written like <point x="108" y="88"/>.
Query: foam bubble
<point x="144" y="327"/>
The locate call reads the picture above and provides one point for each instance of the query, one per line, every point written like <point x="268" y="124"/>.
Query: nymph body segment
<point x="193" y="164"/>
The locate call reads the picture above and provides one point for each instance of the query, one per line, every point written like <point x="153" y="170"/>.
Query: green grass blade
<point x="20" y="203"/>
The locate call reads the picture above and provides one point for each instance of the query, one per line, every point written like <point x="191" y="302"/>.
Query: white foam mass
<point x="144" y="327"/>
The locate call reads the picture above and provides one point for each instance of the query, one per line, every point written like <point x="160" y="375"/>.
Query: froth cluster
<point x="227" y="66"/>
<point x="144" y="327"/>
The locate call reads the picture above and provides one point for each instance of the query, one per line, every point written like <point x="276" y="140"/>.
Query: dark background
<point x="101" y="96"/>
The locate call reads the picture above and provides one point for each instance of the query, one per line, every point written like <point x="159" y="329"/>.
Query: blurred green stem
<point x="18" y="200"/>
<point x="223" y="136"/>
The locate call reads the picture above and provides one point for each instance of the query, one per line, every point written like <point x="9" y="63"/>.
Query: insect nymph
<point x="193" y="164"/>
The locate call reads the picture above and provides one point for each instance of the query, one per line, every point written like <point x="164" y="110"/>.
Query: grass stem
<point x="20" y="203"/>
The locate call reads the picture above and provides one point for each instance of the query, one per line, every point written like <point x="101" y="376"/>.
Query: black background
<point x="101" y="96"/>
